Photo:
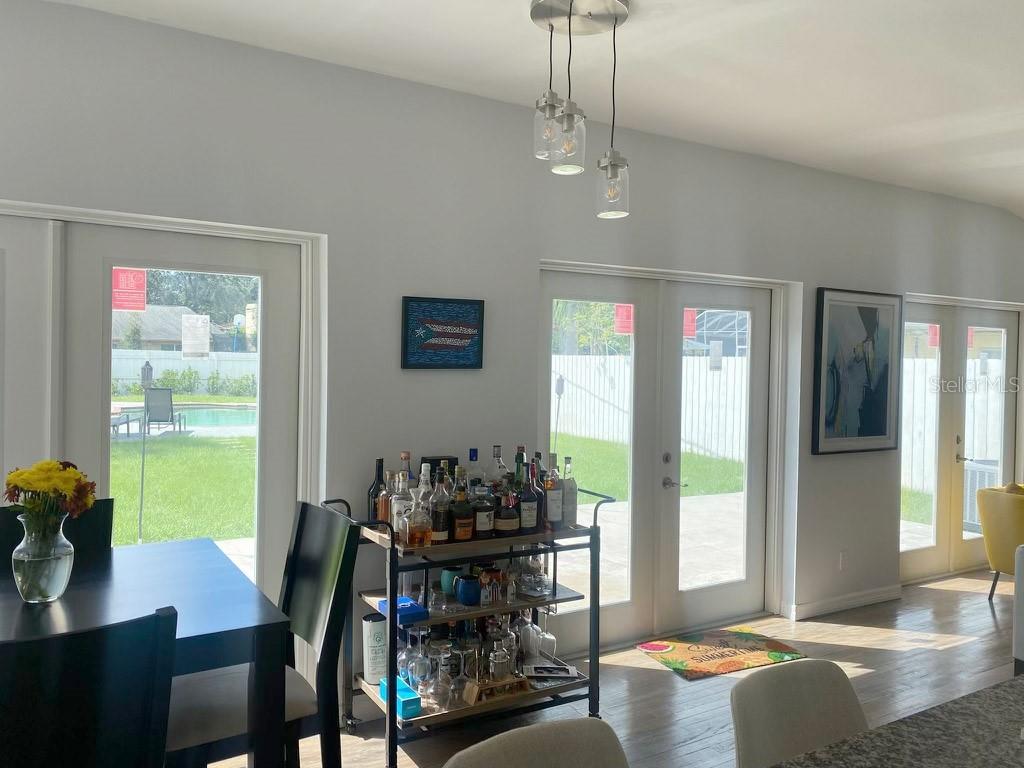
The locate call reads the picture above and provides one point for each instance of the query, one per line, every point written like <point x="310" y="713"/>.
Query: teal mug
<point x="448" y="576"/>
<point x="467" y="589"/>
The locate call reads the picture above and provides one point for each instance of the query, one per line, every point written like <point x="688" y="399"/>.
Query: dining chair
<point x="1001" y="514"/>
<point x="94" y="699"/>
<point x="784" y="710"/>
<point x="90" y="534"/>
<point x="209" y="710"/>
<point x="583" y="743"/>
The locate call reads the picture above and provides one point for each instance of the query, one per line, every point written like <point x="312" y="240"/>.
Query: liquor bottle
<point x="542" y="471"/>
<point x="474" y="475"/>
<point x="553" y="491"/>
<point x="419" y="526"/>
<point x="446" y="478"/>
<point x="383" y="510"/>
<point x="462" y="511"/>
<point x="506" y="518"/>
<point x="424" y="489"/>
<point x="440" y="501"/>
<point x="374" y="491"/>
<point x="405" y="457"/>
<point x="483" y="512"/>
<point x="570" y="494"/>
<point x="497" y="471"/>
<point x="401" y="507"/>
<point x="538" y="489"/>
<point x="529" y="518"/>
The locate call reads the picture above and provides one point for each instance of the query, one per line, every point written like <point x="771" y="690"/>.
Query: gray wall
<point x="426" y="191"/>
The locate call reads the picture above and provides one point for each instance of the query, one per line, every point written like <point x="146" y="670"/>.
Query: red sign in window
<point x="689" y="323"/>
<point x="933" y="335"/>
<point x="624" y="319"/>
<point x="128" y="289"/>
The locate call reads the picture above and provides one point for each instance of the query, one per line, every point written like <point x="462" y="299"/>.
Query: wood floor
<point x="940" y="641"/>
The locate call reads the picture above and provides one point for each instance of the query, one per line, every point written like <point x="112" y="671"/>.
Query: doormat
<point x="718" y="652"/>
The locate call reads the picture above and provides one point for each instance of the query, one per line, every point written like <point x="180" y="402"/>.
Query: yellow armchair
<point x="1002" y="524"/>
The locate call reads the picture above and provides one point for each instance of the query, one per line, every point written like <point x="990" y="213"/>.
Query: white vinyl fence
<point x="126" y="364"/>
<point x="598" y="396"/>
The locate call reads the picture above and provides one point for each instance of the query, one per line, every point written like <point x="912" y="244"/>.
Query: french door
<point x="658" y="390"/>
<point x="958" y="430"/>
<point x="210" y="327"/>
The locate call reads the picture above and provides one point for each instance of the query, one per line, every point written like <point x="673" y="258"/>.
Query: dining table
<point x="223" y="620"/>
<point x="984" y="729"/>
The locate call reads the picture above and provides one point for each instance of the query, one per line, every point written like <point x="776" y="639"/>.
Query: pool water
<point x="218" y="417"/>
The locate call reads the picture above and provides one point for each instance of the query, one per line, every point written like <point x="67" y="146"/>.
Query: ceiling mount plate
<point x="589" y="17"/>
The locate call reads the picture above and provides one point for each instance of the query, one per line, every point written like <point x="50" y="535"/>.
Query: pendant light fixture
<point x="545" y="127"/>
<point x="612" y="168"/>
<point x="568" y="151"/>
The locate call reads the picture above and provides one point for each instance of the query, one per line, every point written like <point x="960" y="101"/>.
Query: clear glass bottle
<point x="424" y="488"/>
<point x="420" y="526"/>
<point x="384" y="497"/>
<point x="483" y="513"/>
<point x="475" y="474"/>
<point x="440" y="502"/>
<point x="506" y="517"/>
<point x="405" y="457"/>
<point x="497" y="471"/>
<point x="446" y="478"/>
<point x="570" y="495"/>
<point x="402" y="503"/>
<point x="553" y="492"/>
<point x="461" y="510"/>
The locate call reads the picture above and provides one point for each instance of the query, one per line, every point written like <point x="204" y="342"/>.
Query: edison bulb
<point x="613" y="190"/>
<point x="568" y="147"/>
<point x="550" y="130"/>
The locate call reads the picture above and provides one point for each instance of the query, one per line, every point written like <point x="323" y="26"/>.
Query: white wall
<point x="426" y="191"/>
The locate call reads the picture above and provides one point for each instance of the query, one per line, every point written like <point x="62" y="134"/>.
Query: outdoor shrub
<point x="243" y="386"/>
<point x="188" y="381"/>
<point x="214" y="383"/>
<point x="168" y="378"/>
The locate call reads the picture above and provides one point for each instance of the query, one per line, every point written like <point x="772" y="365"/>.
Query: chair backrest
<point x="317" y="586"/>
<point x="1018" y="613"/>
<point x="1001" y="513"/>
<point x="784" y="710"/>
<point x="94" y="699"/>
<point x="90" y="534"/>
<point x="585" y="743"/>
<point x="160" y="405"/>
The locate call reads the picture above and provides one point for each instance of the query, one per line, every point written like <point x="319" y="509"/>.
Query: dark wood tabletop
<point x="223" y="618"/>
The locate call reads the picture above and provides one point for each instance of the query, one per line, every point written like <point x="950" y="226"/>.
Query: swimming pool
<point x="218" y="417"/>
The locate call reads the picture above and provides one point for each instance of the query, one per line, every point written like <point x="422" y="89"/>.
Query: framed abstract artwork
<point x="442" y="333"/>
<point x="857" y="358"/>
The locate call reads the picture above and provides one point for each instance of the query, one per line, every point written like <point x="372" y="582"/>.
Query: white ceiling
<point x="923" y="93"/>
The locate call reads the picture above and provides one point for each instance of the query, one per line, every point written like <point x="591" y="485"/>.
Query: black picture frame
<point x="821" y="442"/>
<point x="467" y="313"/>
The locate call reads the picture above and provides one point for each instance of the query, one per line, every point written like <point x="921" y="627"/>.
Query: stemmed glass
<point x="419" y="667"/>
<point x="458" y="687"/>
<point x="405" y="656"/>
<point x="439" y="689"/>
<point x="547" y="641"/>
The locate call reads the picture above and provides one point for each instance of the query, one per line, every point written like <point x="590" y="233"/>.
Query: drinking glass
<point x="438" y="600"/>
<point x="547" y="641"/>
<point x="419" y="667"/>
<point x="439" y="690"/>
<point x="404" y="657"/>
<point x="456" y="698"/>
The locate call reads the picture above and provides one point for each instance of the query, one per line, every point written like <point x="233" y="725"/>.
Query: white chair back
<point x="586" y="743"/>
<point x="784" y="710"/>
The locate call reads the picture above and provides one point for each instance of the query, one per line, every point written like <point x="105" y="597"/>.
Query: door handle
<point x="961" y="459"/>
<point x="668" y="482"/>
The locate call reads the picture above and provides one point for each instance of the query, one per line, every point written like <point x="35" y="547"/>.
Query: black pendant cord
<point x="568" y="67"/>
<point x="551" y="54"/>
<point x="615" y="66"/>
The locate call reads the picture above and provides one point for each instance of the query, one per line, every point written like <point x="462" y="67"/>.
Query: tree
<point x="133" y="333"/>
<point x="217" y="295"/>
<point x="587" y="328"/>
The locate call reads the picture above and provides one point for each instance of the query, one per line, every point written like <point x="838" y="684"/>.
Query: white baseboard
<point x="800" y="611"/>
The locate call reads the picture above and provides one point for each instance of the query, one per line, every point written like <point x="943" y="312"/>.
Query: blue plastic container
<point x="408" y="700"/>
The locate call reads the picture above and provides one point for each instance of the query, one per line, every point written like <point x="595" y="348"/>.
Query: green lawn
<point x="915" y="506"/>
<point x="599" y="465"/>
<point x="179" y="399"/>
<point x="195" y="487"/>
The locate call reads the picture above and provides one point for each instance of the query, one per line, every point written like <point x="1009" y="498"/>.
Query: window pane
<point x="984" y="387"/>
<point x="919" y="435"/>
<point x="186" y="466"/>
<point x="715" y="356"/>
<point x="592" y="421"/>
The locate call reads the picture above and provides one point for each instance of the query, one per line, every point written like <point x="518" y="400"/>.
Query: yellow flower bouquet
<point x="43" y="496"/>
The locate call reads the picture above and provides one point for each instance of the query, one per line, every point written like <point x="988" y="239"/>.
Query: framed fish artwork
<point x="442" y="333"/>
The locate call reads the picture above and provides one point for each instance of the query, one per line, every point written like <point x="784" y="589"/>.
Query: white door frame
<point x="776" y="497"/>
<point x="311" y="479"/>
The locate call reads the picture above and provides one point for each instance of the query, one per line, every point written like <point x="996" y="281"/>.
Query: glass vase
<point x="42" y="561"/>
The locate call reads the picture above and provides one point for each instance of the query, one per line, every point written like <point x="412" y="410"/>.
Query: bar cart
<point x="400" y="560"/>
